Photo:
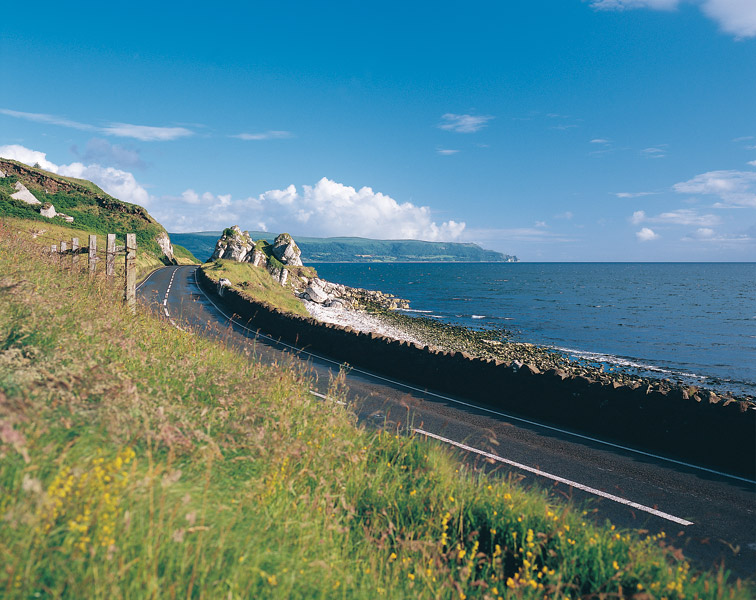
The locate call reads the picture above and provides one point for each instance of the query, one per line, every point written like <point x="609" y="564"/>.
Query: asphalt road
<point x="710" y="515"/>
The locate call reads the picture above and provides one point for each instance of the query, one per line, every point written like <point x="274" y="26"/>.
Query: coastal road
<point x="710" y="515"/>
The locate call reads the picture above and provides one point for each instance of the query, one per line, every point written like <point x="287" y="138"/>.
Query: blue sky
<point x="556" y="130"/>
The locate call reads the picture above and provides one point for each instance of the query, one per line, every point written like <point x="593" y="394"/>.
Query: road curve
<point x="710" y="515"/>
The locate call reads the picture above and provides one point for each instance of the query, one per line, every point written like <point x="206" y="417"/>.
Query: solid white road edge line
<point x="573" y="484"/>
<point x="476" y="406"/>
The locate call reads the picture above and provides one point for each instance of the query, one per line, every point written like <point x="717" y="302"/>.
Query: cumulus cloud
<point x="464" y="123"/>
<point x="268" y="135"/>
<point x="646" y="235"/>
<point x="736" y="17"/>
<point x="683" y="216"/>
<point x="330" y="208"/>
<point x="117" y="183"/>
<point x="28" y="157"/>
<point x="143" y="133"/>
<point x="733" y="188"/>
<point x="327" y="208"/>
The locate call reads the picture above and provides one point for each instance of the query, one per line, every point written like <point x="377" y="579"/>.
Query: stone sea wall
<point x="710" y="432"/>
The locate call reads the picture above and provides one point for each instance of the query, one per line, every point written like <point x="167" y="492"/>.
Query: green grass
<point x="140" y="461"/>
<point x="256" y="283"/>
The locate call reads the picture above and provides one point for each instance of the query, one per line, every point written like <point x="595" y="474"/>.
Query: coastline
<point x="494" y="345"/>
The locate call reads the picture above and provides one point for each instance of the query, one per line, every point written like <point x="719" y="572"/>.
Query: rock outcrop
<point x="22" y="193"/>
<point x="234" y="244"/>
<point x="237" y="245"/>
<point x="165" y="245"/>
<point x="286" y="250"/>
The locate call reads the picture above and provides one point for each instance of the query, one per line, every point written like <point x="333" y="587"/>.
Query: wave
<point x="627" y="363"/>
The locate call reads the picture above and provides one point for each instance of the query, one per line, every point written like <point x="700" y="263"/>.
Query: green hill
<point x="355" y="249"/>
<point x="88" y="208"/>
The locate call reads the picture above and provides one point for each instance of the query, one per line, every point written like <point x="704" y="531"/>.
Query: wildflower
<point x="615" y="565"/>
<point x="392" y="556"/>
<point x="411" y="576"/>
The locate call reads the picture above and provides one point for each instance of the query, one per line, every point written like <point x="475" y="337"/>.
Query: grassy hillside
<point x="140" y="461"/>
<point x="92" y="209"/>
<point x="352" y="249"/>
<point x="256" y="283"/>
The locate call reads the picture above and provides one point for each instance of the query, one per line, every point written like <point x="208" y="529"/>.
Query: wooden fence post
<point x="63" y="248"/>
<point x="74" y="252"/>
<point x="92" y="254"/>
<point x="131" y="270"/>
<point x="110" y="252"/>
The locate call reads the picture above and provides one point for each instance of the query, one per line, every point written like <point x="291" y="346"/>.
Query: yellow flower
<point x="392" y="556"/>
<point x="411" y="576"/>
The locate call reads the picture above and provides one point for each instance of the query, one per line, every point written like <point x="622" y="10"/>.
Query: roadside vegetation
<point x="139" y="460"/>
<point x="257" y="284"/>
<point x="44" y="234"/>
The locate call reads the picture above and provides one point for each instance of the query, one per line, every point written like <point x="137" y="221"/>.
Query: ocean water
<point x="694" y="322"/>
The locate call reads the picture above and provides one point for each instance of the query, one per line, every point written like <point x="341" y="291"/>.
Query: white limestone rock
<point x="23" y="194"/>
<point x="286" y="250"/>
<point x="165" y="245"/>
<point x="48" y="210"/>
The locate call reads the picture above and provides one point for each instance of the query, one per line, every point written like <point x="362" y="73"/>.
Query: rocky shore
<point x="383" y="319"/>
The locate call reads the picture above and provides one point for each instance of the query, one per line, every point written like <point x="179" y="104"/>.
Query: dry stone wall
<point x="720" y="435"/>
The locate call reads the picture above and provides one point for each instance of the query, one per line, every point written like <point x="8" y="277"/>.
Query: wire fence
<point x="75" y="256"/>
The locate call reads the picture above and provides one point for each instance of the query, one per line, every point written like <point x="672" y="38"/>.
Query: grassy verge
<point x="256" y="283"/>
<point x="137" y="460"/>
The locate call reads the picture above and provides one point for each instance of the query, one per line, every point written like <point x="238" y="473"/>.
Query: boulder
<point x="316" y="293"/>
<point x="48" y="210"/>
<point x="286" y="250"/>
<point x="23" y="194"/>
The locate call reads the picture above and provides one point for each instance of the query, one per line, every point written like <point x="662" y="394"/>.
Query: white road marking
<point x="475" y="406"/>
<point x="319" y="395"/>
<point x="573" y="484"/>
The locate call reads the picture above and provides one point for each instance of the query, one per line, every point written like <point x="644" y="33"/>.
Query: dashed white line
<point x="573" y="484"/>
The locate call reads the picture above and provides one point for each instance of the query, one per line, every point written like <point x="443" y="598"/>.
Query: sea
<point x="688" y="322"/>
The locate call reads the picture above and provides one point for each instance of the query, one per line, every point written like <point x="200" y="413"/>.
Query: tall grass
<point x="140" y="461"/>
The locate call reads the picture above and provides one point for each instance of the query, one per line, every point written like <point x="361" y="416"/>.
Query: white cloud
<point x="734" y="188"/>
<point x="638" y="217"/>
<point x="646" y="235"/>
<point x="633" y="194"/>
<point x="268" y="135"/>
<point x="752" y="163"/>
<point x="28" y="157"/>
<point x="600" y="141"/>
<point x="446" y="152"/>
<point x="654" y="152"/>
<point x="326" y="209"/>
<point x="117" y="183"/>
<point x="464" y="123"/>
<point x="523" y="235"/>
<point x="704" y="232"/>
<point x="736" y="17"/>
<point x="541" y="224"/>
<point x="565" y="215"/>
<point x="144" y="133"/>
<point x="683" y="216"/>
